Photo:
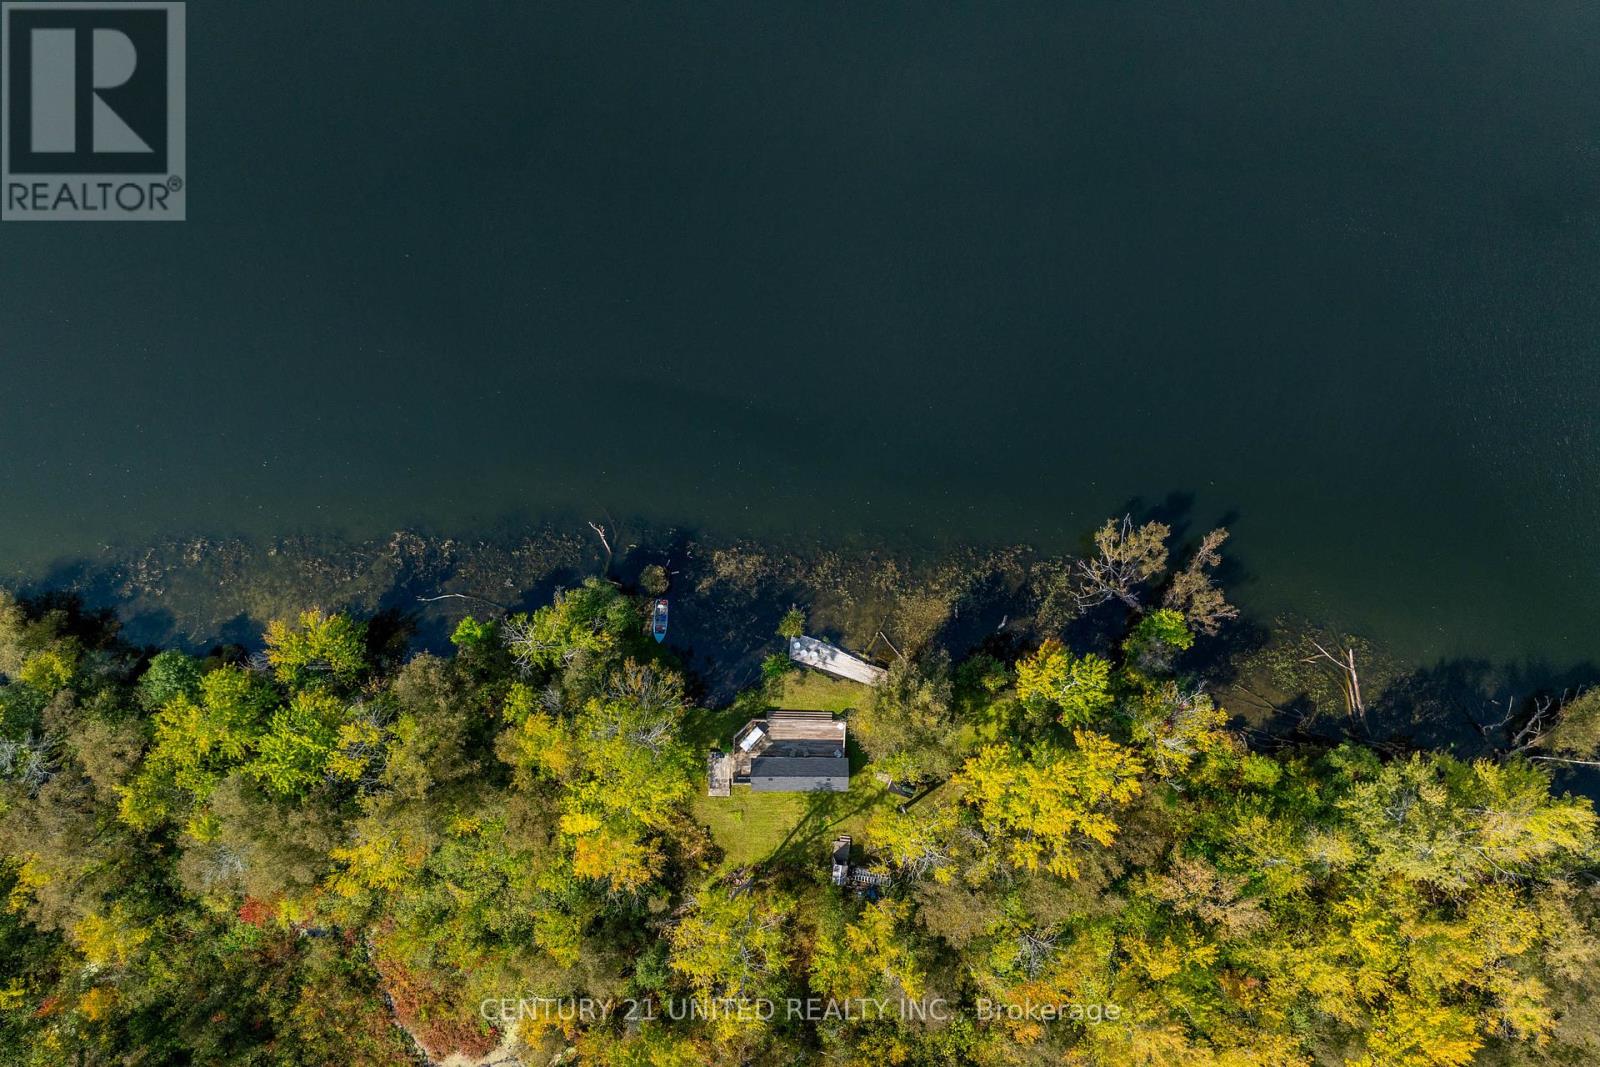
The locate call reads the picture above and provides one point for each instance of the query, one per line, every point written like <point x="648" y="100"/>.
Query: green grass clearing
<point x="792" y="828"/>
<point x="805" y="690"/>
<point x="754" y="828"/>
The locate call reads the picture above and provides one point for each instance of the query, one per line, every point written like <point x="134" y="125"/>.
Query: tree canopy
<point x="323" y="853"/>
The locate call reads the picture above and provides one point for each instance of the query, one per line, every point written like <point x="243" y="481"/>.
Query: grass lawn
<point x="805" y="690"/>
<point x="792" y="828"/>
<point x="755" y="828"/>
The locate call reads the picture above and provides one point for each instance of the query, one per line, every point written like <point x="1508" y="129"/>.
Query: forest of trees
<point x="340" y="850"/>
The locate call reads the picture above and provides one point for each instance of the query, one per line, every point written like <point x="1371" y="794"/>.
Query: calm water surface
<point x="903" y="273"/>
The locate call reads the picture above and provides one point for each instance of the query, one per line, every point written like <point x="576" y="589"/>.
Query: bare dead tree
<point x="1194" y="592"/>
<point x="1543" y="712"/>
<point x="1126" y="556"/>
<point x="1033" y="951"/>
<point x="1567" y="725"/>
<point x="364" y="748"/>
<point x="522" y="641"/>
<point x="219" y="864"/>
<point x="929" y="856"/>
<point x="654" y="735"/>
<point x="600" y="532"/>
<point x="1344" y="666"/>
<point x="646" y="686"/>
<point x="30" y="761"/>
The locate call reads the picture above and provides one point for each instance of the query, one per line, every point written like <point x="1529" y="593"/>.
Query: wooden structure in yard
<point x="853" y="878"/>
<point x="719" y="774"/>
<point x="809" y="652"/>
<point x="841" y="859"/>
<point x="798" y="726"/>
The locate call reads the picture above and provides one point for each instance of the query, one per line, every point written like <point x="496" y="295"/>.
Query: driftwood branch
<point x="1545" y="714"/>
<point x="1349" y="679"/>
<point x="1523" y="730"/>
<point x="1557" y="759"/>
<point x="600" y="532"/>
<point x="461" y="596"/>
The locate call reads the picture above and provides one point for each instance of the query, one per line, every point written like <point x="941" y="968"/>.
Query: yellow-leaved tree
<point x="1040" y="809"/>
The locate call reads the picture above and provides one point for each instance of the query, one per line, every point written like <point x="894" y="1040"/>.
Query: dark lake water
<point x="909" y="274"/>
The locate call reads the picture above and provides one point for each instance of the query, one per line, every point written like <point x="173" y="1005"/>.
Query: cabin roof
<point x="799" y="774"/>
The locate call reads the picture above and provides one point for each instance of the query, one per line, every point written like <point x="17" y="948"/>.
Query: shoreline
<point x="200" y="593"/>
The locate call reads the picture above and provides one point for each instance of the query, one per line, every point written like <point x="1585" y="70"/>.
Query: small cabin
<point x="786" y="752"/>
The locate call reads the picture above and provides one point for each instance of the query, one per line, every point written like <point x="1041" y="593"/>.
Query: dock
<point x="809" y="652"/>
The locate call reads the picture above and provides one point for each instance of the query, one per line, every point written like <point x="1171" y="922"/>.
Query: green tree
<point x="1156" y="639"/>
<point x="171" y="674"/>
<point x="318" y="649"/>
<point x="472" y="634"/>
<point x="1040" y="810"/>
<point x="654" y="580"/>
<point x="793" y="624"/>
<point x="871" y="956"/>
<point x="909" y="726"/>
<point x="294" y="752"/>
<point x="197" y="740"/>
<point x="593" y="619"/>
<point x="732" y="944"/>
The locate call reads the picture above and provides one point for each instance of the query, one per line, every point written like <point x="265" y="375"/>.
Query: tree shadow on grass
<point x="807" y="841"/>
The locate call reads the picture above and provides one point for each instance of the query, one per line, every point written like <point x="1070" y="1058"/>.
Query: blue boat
<point x="658" y="620"/>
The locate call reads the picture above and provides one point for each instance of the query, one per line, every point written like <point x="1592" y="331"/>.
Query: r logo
<point x="93" y="90"/>
<point x="55" y="91"/>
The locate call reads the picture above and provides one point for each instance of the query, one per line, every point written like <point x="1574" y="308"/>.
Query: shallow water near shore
<point x="910" y="278"/>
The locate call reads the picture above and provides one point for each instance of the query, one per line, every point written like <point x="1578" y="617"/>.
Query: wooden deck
<point x="805" y="726"/>
<point x="810" y="652"/>
<point x="719" y="775"/>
